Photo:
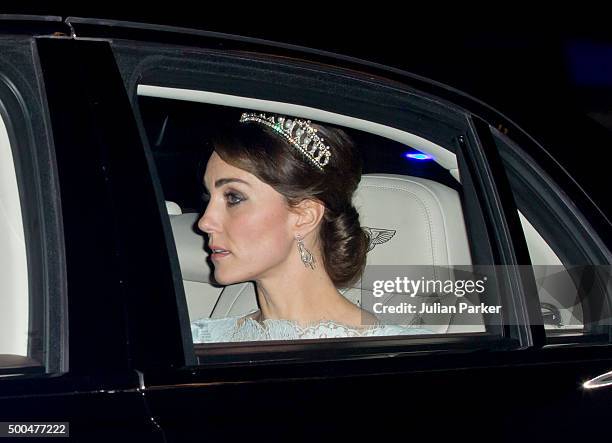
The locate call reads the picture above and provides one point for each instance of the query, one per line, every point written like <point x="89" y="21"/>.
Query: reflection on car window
<point x="14" y="320"/>
<point x="559" y="312"/>
<point x="571" y="288"/>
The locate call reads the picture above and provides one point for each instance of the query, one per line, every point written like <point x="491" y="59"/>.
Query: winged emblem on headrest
<point x="378" y="236"/>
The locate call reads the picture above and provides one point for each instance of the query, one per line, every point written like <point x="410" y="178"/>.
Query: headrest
<point x="173" y="208"/>
<point x="411" y="221"/>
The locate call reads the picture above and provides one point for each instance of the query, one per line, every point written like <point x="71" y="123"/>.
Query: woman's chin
<point x="225" y="280"/>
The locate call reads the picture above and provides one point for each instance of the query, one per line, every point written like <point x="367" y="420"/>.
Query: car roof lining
<point x="442" y="156"/>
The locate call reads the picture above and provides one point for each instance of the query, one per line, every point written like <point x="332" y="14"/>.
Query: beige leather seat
<point x="412" y="221"/>
<point x="200" y="294"/>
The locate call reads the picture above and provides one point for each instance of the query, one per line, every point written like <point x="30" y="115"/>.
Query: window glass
<point x="547" y="266"/>
<point x="571" y="285"/>
<point x="411" y="207"/>
<point x="14" y="304"/>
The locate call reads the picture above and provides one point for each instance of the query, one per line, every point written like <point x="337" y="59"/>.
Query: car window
<point x="417" y="198"/>
<point x="420" y="231"/>
<point x="567" y="260"/>
<point x="13" y="262"/>
<point x="30" y="275"/>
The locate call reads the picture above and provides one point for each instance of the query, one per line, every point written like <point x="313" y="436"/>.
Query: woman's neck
<point x="303" y="297"/>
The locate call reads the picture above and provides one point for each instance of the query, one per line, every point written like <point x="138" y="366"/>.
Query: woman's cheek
<point x="266" y="234"/>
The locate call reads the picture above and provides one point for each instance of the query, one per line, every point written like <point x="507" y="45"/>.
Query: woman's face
<point x="248" y="219"/>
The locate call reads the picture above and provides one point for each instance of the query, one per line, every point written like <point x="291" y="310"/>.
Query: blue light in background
<point x="417" y="156"/>
<point x="590" y="63"/>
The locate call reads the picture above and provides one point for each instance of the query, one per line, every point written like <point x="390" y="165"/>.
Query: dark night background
<point x="549" y="71"/>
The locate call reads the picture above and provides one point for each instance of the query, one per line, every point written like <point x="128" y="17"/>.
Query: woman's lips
<point x="219" y="255"/>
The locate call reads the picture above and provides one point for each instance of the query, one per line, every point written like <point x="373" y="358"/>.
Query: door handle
<point x="599" y="382"/>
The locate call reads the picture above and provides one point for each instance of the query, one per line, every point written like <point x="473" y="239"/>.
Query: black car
<point x="103" y="142"/>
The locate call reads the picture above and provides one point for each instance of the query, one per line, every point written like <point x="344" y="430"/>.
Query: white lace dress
<point x="228" y="329"/>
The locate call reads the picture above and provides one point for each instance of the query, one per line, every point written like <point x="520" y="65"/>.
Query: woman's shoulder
<point x="211" y="330"/>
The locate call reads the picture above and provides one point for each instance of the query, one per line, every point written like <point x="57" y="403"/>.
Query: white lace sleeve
<point x="213" y="330"/>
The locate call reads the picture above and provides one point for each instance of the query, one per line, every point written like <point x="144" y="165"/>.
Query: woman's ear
<point x="308" y="215"/>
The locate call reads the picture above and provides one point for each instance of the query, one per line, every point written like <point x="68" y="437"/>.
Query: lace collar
<point x="248" y="328"/>
<point x="230" y="329"/>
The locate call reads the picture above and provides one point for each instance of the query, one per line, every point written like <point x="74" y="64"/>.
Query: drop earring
<point x="305" y="254"/>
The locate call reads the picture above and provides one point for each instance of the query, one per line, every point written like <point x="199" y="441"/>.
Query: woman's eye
<point x="233" y="198"/>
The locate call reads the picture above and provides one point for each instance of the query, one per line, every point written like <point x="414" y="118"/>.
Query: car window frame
<point x="98" y="179"/>
<point x="132" y="78"/>
<point x="589" y="246"/>
<point x="22" y="99"/>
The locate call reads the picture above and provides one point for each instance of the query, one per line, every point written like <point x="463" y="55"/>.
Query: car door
<point x="65" y="360"/>
<point x="511" y="383"/>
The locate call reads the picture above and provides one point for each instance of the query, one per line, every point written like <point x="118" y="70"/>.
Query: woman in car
<point x="280" y="214"/>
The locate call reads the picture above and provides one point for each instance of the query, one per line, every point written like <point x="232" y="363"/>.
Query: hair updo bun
<point x="262" y="152"/>
<point x="345" y="246"/>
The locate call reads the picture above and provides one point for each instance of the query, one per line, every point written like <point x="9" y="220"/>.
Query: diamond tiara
<point x="298" y="133"/>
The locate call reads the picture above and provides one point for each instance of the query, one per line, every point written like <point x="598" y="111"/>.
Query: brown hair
<point x="257" y="149"/>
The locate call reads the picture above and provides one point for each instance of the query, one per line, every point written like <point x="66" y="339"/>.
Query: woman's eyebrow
<point x="224" y="181"/>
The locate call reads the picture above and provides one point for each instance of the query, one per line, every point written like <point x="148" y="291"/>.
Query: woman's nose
<point x="207" y="223"/>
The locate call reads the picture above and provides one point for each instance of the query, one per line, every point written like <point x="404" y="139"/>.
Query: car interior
<point x="413" y="206"/>
<point x="419" y="210"/>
